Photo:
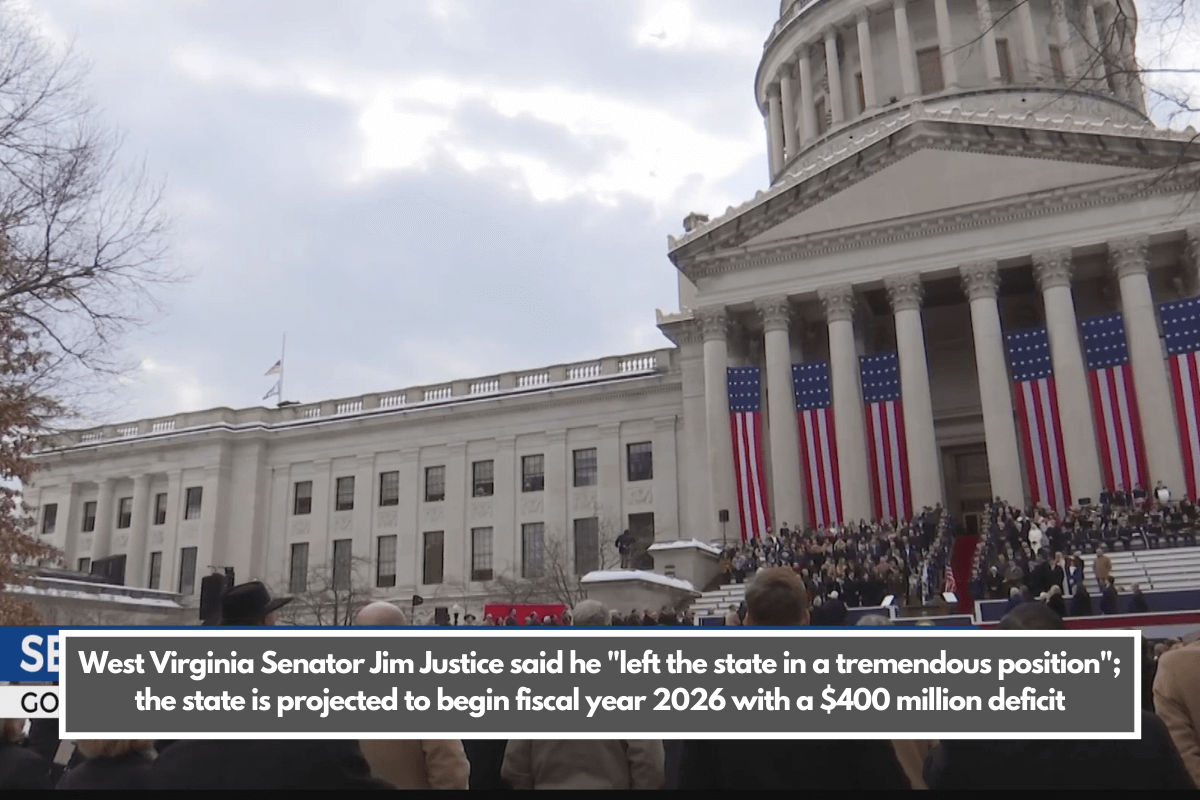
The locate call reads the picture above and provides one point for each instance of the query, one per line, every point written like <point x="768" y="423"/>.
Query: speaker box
<point x="723" y="515"/>
<point x="441" y="615"/>
<point x="211" y="589"/>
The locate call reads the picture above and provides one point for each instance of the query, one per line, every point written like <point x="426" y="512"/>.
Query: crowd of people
<point x="858" y="564"/>
<point x="1167" y="756"/>
<point x="1035" y="554"/>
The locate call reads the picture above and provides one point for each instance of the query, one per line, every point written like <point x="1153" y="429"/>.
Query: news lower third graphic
<point x="208" y="683"/>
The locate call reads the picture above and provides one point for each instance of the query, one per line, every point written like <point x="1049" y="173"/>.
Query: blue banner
<point x="28" y="655"/>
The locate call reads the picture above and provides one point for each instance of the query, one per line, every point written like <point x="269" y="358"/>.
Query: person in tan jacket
<point x="585" y="764"/>
<point x="1177" y="701"/>
<point x="411" y="763"/>
<point x="1102" y="568"/>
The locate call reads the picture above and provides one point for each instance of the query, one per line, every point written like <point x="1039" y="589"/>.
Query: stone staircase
<point x="717" y="602"/>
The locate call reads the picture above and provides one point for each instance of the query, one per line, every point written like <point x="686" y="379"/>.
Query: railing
<point x="796" y="10"/>
<point x="593" y="370"/>
<point x="583" y="371"/>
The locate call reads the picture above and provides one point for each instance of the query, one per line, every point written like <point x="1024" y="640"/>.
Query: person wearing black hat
<point x="291" y="764"/>
<point x="248" y="606"/>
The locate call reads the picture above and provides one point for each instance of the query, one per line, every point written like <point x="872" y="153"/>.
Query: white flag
<point x="278" y="368"/>
<point x="274" y="391"/>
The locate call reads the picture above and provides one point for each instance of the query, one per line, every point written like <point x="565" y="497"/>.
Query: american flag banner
<point x="1114" y="403"/>
<point x="1181" y="329"/>
<point x="1036" y="404"/>
<point x="887" y="452"/>
<point x="745" y="420"/>
<point x="818" y="443"/>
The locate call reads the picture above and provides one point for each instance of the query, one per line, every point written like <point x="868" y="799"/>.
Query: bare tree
<point x="84" y="235"/>
<point x="330" y="600"/>
<point x="557" y="578"/>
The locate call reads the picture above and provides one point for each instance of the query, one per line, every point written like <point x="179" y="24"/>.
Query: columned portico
<point x="781" y="412"/>
<point x="1052" y="269"/>
<point x="1146" y="355"/>
<point x="981" y="282"/>
<point x="925" y="478"/>
<point x="850" y="431"/>
<point x="714" y="323"/>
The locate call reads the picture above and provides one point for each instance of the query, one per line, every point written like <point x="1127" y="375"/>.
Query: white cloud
<point x="174" y="388"/>
<point x="405" y="123"/>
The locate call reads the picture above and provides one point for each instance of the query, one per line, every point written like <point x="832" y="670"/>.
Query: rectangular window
<point x="124" y="512"/>
<point x="345" y="494"/>
<point x="482" y="478"/>
<point x="821" y="116"/>
<point x="192" y="508"/>
<point x="533" y="550"/>
<point x="160" y="509"/>
<point x="533" y="473"/>
<point x="156" y="570"/>
<point x="1006" y="73"/>
<point x="85" y="565"/>
<point x="298" y="570"/>
<point x="1056" y="64"/>
<point x="385" y="562"/>
<point x="342" y="565"/>
<point x="585" y="467"/>
<point x="435" y="484"/>
<point x="639" y="461"/>
<point x="187" y="570"/>
<point x="302" y="502"/>
<point x="389" y="488"/>
<point x="49" y="517"/>
<point x="481" y="554"/>
<point x="431" y="572"/>
<point x="89" y="516"/>
<point x="929" y="65"/>
<point x="862" y="93"/>
<point x="587" y="545"/>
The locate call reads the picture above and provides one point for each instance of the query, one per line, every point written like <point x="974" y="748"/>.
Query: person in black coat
<point x="1138" y="604"/>
<point x="776" y="597"/>
<point x="20" y="767"/>
<point x="1081" y="603"/>
<point x="1109" y="600"/>
<point x="1149" y="763"/>
<point x="120" y="764"/>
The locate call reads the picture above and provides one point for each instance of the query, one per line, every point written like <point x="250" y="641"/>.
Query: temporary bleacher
<point x="1153" y="570"/>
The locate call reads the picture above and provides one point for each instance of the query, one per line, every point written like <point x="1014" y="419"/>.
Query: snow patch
<point x="684" y="544"/>
<point x="615" y="575"/>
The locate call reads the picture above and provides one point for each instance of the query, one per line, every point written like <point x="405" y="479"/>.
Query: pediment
<point x="935" y="180"/>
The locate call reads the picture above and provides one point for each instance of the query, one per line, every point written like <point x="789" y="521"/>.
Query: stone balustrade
<point x="417" y="397"/>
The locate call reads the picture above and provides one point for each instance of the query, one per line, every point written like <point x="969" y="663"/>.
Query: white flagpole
<point x="282" y="356"/>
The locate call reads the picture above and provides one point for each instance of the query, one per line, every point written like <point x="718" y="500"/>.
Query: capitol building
<point x="958" y="192"/>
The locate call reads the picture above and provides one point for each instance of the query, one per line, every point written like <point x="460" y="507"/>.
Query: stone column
<point x="171" y="544"/>
<point x="1122" y="37"/>
<point x="775" y="125"/>
<point x="946" y="44"/>
<point x="980" y="282"/>
<point x="808" y="112"/>
<point x="866" y="57"/>
<point x="987" y="28"/>
<point x="715" y="324"/>
<point x="102" y="539"/>
<point x="837" y="102"/>
<point x="1062" y="34"/>
<point x="924" y="458"/>
<point x="849" y="423"/>
<point x="1148" y="358"/>
<point x="781" y="413"/>
<point x="666" y="489"/>
<point x="787" y="92"/>
<point x="1053" y="272"/>
<point x="135" y="561"/>
<point x="1036" y="60"/>
<point x="1192" y="254"/>
<point x="1091" y="34"/>
<point x="908" y="56"/>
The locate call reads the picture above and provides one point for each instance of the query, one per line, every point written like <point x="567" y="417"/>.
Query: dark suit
<point x="1109" y="601"/>
<point x="790" y="765"/>
<point x="21" y="768"/>
<point x="1149" y="763"/>
<point x="292" y="764"/>
<point x="130" y="771"/>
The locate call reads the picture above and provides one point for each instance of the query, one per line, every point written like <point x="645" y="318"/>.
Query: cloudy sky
<point x="417" y="190"/>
